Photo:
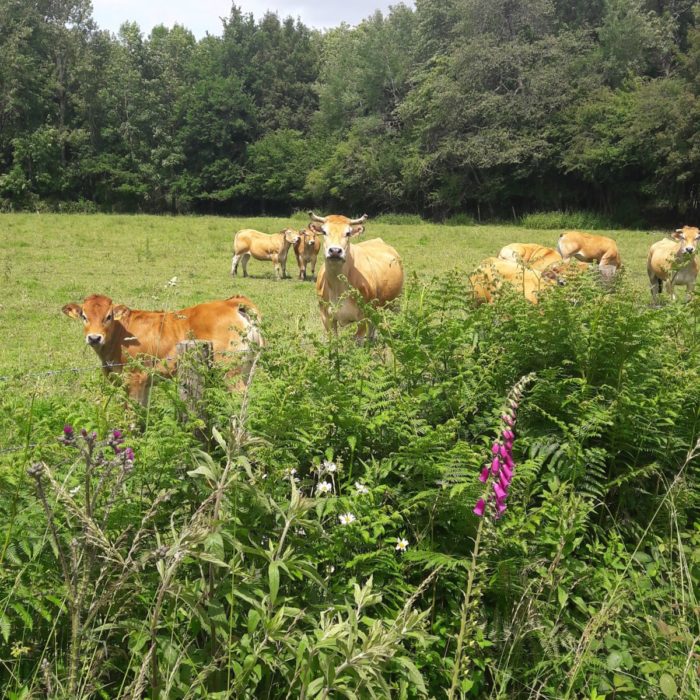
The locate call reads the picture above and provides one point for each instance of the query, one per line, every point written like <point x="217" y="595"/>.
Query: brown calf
<point x="306" y="250"/>
<point x="493" y="273"/>
<point x="119" y="334"/>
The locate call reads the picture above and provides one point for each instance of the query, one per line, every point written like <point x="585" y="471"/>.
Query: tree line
<point x="483" y="108"/>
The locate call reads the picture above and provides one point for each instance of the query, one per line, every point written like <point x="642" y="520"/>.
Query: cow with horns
<point x="372" y="269"/>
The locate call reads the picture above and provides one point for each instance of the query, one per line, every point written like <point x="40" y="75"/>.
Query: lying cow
<point x="119" y="334"/>
<point x="532" y="255"/>
<point x="306" y="250"/>
<point x="493" y="273"/>
<point x="262" y="246"/>
<point x="372" y="268"/>
<point x="589" y="248"/>
<point x="672" y="260"/>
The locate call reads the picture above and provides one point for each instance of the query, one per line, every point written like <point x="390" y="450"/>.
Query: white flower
<point x="324" y="487"/>
<point x="401" y="544"/>
<point x="264" y="475"/>
<point x="361" y="488"/>
<point x="346" y="518"/>
<point x="330" y="466"/>
<point x="74" y="490"/>
<point x="171" y="282"/>
<point x="292" y="471"/>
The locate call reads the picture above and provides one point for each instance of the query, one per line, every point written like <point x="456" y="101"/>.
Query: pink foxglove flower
<point x="479" y="507"/>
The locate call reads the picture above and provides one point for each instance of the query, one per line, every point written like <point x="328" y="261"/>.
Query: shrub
<point x="567" y="220"/>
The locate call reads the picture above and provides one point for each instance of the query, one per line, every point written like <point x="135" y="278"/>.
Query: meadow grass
<point x="48" y="260"/>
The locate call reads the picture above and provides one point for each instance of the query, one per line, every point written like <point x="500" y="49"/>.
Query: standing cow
<point x="262" y="246"/>
<point x="672" y="260"/>
<point x="306" y="250"/>
<point x="589" y="248"/>
<point x="372" y="268"/>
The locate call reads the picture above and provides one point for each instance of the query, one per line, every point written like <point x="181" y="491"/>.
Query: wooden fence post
<point x="194" y="357"/>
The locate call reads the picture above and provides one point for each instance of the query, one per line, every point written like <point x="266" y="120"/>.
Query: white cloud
<point x="203" y="16"/>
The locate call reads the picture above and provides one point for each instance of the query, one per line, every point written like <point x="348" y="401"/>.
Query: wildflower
<point x="499" y="491"/>
<point x="68" y="436"/>
<point x="495" y="465"/>
<point x="129" y="456"/>
<point x="74" y="490"/>
<point x="324" y="487"/>
<point x="361" y="489"/>
<point x="346" y="518"/>
<point x="330" y="467"/>
<point x="171" y="282"/>
<point x="401" y="544"/>
<point x="479" y="507"/>
<point x="484" y="476"/>
<point x="19" y="649"/>
<point x="496" y="448"/>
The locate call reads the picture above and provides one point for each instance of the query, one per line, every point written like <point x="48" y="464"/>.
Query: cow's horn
<point x="316" y="217"/>
<point x="361" y="220"/>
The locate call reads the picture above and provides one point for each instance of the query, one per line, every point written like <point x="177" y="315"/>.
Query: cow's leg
<point x="302" y="270"/>
<point x="234" y="264"/>
<point x="244" y="263"/>
<point x="283" y="266"/>
<point x="139" y="386"/>
<point x="313" y="268"/>
<point x="278" y="268"/>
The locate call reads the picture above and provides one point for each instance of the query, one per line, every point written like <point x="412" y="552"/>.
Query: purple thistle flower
<point x="129" y="454"/>
<point x="479" y="507"/>
<point x="484" y="476"/>
<point x="68" y="431"/>
<point x="83" y="432"/>
<point x="495" y="465"/>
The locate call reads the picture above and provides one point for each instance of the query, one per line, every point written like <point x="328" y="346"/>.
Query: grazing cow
<point x="672" y="260"/>
<point x="532" y="255"/>
<point x="262" y="246"/>
<point x="493" y="273"/>
<point x="306" y="250"/>
<point x="589" y="248"/>
<point x="372" y="268"/>
<point x="119" y="334"/>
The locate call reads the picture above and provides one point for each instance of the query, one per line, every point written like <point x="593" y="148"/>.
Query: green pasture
<point x="49" y="260"/>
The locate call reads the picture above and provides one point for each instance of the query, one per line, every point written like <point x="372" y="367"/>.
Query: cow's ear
<point x="677" y="234"/>
<point x="73" y="310"/>
<point x="357" y="230"/>
<point x="315" y="227"/>
<point x="120" y="312"/>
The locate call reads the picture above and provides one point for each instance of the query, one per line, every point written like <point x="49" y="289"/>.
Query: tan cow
<point x="306" y="250"/>
<point x="492" y="273"/>
<point x="262" y="246"/>
<point x="532" y="255"/>
<point x="589" y="248"/>
<point x="372" y="268"/>
<point x="119" y="334"/>
<point x="672" y="260"/>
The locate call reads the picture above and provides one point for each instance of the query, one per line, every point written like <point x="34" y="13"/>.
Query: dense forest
<point x="478" y="108"/>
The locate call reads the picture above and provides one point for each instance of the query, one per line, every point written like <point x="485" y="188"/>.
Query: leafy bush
<point x="322" y="543"/>
<point x="567" y="220"/>
<point x="460" y="220"/>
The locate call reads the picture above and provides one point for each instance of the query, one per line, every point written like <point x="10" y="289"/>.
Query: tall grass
<point x="321" y="546"/>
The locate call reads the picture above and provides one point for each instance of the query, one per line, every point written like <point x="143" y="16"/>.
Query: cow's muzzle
<point x="335" y="253"/>
<point x="94" y="339"/>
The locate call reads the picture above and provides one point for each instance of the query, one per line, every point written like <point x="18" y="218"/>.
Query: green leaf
<point x="668" y="686"/>
<point x="614" y="660"/>
<point x="273" y="573"/>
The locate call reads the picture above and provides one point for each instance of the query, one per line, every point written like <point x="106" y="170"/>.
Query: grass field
<point x="49" y="260"/>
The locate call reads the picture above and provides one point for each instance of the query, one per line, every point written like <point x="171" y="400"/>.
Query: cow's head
<point x="290" y="236"/>
<point x="337" y="231"/>
<point x="98" y="315"/>
<point x="310" y="238"/>
<point x="687" y="238"/>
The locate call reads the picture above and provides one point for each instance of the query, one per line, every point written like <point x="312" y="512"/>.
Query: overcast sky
<point x="202" y="16"/>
